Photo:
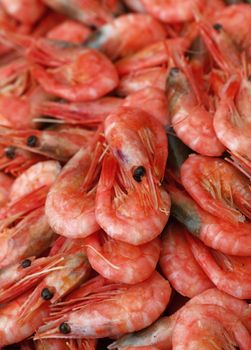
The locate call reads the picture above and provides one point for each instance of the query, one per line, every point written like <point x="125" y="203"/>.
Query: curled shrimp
<point x="11" y="330"/>
<point x="56" y="144"/>
<point x="119" y="261"/>
<point x="144" y="78"/>
<point x="171" y="11"/>
<point x="127" y="34"/>
<point x="130" y="302"/>
<point x="229" y="273"/>
<point x="133" y="181"/>
<point x="209" y="327"/>
<point x="217" y="187"/>
<point x="25" y="11"/>
<point x="178" y="264"/>
<point x="69" y="30"/>
<point x="228" y="238"/>
<point x="70" y="204"/>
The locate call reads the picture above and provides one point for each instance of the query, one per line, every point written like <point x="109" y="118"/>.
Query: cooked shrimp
<point x="119" y="261"/>
<point x="11" y="330"/>
<point x="127" y="34"/>
<point x="131" y="206"/>
<point x="172" y="11"/>
<point x="229" y="273"/>
<point x="150" y="77"/>
<point x="209" y="327"/>
<point x="178" y="264"/>
<point x="25" y="11"/>
<point x="38" y="175"/>
<point x="70" y="204"/>
<point x="69" y="31"/>
<point x="29" y="237"/>
<point x="231" y="239"/>
<point x="191" y="121"/>
<point x="111" y="311"/>
<point x="90" y="12"/>
<point x="56" y="144"/>
<point x="217" y="187"/>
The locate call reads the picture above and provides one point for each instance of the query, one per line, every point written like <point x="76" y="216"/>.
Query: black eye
<point x="10" y="152"/>
<point x="64" y="328"/>
<point x="218" y="27"/>
<point x="138" y="173"/>
<point x="32" y="141"/>
<point x="26" y="263"/>
<point x="174" y="71"/>
<point x="46" y="294"/>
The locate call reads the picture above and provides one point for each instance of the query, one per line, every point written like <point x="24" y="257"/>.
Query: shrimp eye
<point x="64" y="328"/>
<point x="10" y="152"/>
<point x="174" y="71"/>
<point x="218" y="27"/>
<point x="46" y="294"/>
<point x="138" y="173"/>
<point x="32" y="141"/>
<point x="26" y="263"/>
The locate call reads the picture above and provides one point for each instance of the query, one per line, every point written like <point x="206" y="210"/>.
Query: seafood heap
<point x="125" y="167"/>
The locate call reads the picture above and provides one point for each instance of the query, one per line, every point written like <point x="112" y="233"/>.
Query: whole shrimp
<point x="131" y="206"/>
<point x="95" y="315"/>
<point x="25" y="11"/>
<point x="127" y="34"/>
<point x="179" y="265"/>
<point x="217" y="187"/>
<point x="70" y="204"/>
<point x="228" y="238"/>
<point x="11" y="330"/>
<point x="119" y="261"/>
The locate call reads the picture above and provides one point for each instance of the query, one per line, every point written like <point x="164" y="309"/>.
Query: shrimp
<point x="172" y="11"/>
<point x="231" y="239"/>
<point x="11" y="330"/>
<point x="127" y="34"/>
<point x="120" y="261"/>
<point x="57" y="144"/>
<point x="96" y="315"/>
<point x="29" y="237"/>
<point x="70" y="344"/>
<point x="90" y="12"/>
<point x="131" y="206"/>
<point x="229" y="273"/>
<point x="87" y="113"/>
<point x="70" y="204"/>
<point x="190" y="119"/>
<point x="209" y="327"/>
<point x="71" y="31"/>
<point x="6" y="183"/>
<point x="144" y="78"/>
<point x="25" y="11"/>
<point x="150" y="100"/>
<point x="217" y="187"/>
<point x="178" y="264"/>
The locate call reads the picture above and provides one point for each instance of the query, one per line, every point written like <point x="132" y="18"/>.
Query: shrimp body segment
<point x="120" y="310"/>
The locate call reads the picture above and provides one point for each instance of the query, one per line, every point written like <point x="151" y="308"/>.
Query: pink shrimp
<point x="217" y="187"/>
<point x="171" y="11"/>
<point x="96" y="315"/>
<point x="29" y="237"/>
<point x="131" y="206"/>
<point x="120" y="261"/>
<point x="11" y="330"/>
<point x="69" y="31"/>
<point x="127" y="34"/>
<point x="25" y="11"/>
<point x="209" y="327"/>
<point x="149" y="77"/>
<point x="231" y="239"/>
<point x="70" y="204"/>
<point x="90" y="12"/>
<point x="229" y="273"/>
<point x="178" y="264"/>
<point x="56" y="144"/>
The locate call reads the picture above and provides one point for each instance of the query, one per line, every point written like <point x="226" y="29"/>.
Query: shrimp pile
<point x="125" y="169"/>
